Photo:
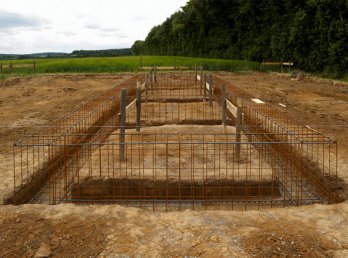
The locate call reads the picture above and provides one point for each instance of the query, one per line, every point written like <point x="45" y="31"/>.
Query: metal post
<point x="138" y="106"/>
<point x="223" y="105"/>
<point x="1" y="69"/>
<point x="201" y="79"/>
<point x="210" y="90"/>
<point x="11" y="68"/>
<point x="151" y="80"/>
<point x="155" y="75"/>
<point x="141" y="62"/>
<point x="146" y="86"/>
<point x="34" y="67"/>
<point x="196" y="73"/>
<point x="204" y="86"/>
<point x="122" y="135"/>
<point x="238" y="133"/>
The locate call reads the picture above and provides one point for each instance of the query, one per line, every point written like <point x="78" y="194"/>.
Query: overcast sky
<point x="32" y="26"/>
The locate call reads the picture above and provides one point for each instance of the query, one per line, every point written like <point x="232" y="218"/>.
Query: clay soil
<point x="114" y="231"/>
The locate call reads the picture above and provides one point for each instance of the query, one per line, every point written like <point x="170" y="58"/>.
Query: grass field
<point x="124" y="64"/>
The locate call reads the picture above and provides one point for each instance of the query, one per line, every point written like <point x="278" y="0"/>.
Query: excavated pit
<point x="135" y="190"/>
<point x="179" y="154"/>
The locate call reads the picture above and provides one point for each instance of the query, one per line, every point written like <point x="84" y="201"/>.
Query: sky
<point x="34" y="26"/>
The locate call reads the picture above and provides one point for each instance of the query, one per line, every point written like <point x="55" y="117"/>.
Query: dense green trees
<point x="313" y="33"/>
<point x="101" y="53"/>
<point x="137" y="48"/>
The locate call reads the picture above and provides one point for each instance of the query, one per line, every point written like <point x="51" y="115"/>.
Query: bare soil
<point x="26" y="103"/>
<point x="321" y="104"/>
<point x="113" y="231"/>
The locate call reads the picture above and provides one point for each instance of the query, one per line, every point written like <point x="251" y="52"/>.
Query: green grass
<point x="126" y="64"/>
<point x="131" y="64"/>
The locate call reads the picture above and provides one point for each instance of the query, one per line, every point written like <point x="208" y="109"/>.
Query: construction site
<point x="170" y="163"/>
<point x="175" y="141"/>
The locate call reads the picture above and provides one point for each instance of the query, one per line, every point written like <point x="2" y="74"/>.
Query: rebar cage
<point x="176" y="141"/>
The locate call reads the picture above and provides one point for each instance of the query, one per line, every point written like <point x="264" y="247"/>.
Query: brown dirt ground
<point x="34" y="101"/>
<point x="113" y="231"/>
<point x="321" y="104"/>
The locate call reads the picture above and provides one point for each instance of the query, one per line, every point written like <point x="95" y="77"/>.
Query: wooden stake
<point x="238" y="133"/>
<point x="223" y="105"/>
<point x="151" y="81"/>
<point x="204" y="86"/>
<point x="34" y="67"/>
<point x="196" y="73"/>
<point x="122" y="134"/>
<point x="138" y="106"/>
<point x="146" y="87"/>
<point x="201" y="79"/>
<point x="210" y="90"/>
<point x="141" y="62"/>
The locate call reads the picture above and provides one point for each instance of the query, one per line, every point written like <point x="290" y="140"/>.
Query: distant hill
<point x="35" y="55"/>
<point x="76" y="53"/>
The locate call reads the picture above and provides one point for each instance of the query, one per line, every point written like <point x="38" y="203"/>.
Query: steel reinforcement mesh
<point x="189" y="151"/>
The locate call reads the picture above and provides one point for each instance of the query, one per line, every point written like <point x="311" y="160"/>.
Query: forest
<point x="311" y="33"/>
<point x="101" y="53"/>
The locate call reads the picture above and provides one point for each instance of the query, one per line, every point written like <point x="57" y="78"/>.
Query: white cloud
<point x="9" y="20"/>
<point x="67" y="25"/>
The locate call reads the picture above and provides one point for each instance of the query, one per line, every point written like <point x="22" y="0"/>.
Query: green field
<point x="124" y="64"/>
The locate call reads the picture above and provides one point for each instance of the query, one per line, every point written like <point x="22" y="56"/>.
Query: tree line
<point x="311" y="33"/>
<point x="102" y="53"/>
<point x="75" y="53"/>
